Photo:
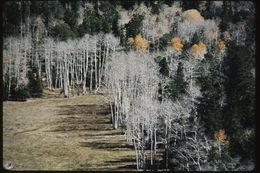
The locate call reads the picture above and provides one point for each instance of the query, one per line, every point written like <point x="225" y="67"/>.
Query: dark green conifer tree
<point x="209" y="107"/>
<point x="35" y="85"/>
<point x="178" y="85"/>
<point x="240" y="97"/>
<point x="133" y="27"/>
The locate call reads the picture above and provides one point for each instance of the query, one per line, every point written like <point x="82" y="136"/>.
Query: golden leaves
<point x="220" y="136"/>
<point x="227" y="36"/>
<point x="198" y="48"/>
<point x="195" y="48"/>
<point x="5" y="57"/>
<point x="191" y="15"/>
<point x="141" y="43"/>
<point x="175" y="43"/>
<point x="131" y="40"/>
<point x="221" y="46"/>
<point x="138" y="42"/>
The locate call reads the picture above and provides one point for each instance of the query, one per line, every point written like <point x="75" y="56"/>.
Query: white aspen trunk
<point x="46" y="67"/>
<point x="95" y="61"/>
<point x="68" y="74"/>
<point x="151" y="148"/>
<point x="81" y="69"/>
<point x="87" y="62"/>
<point x="91" y="74"/>
<point x="76" y="73"/>
<point x="154" y="144"/>
<point x="72" y="73"/>
<point x="65" y="76"/>
<point x="99" y="69"/>
<point x="84" y="73"/>
<point x="167" y="144"/>
<point x="9" y="79"/>
<point x="116" y="112"/>
<point x="18" y="68"/>
<point x="57" y="73"/>
<point x="119" y="108"/>
<point x="49" y="69"/>
<point x="61" y="75"/>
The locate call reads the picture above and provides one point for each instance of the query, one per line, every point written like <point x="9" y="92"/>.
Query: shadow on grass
<point x="84" y="109"/>
<point x="74" y="128"/>
<point x="83" y="118"/>
<point x="128" y="161"/>
<point x="106" y="146"/>
<point x="103" y="134"/>
<point x="123" y="164"/>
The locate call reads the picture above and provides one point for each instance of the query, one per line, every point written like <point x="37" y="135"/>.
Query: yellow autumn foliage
<point x="221" y="46"/>
<point x="227" y="36"/>
<point x="175" y="43"/>
<point x="202" y="46"/>
<point x="5" y="58"/>
<point x="191" y="15"/>
<point x="220" y="136"/>
<point x="131" y="40"/>
<point x="197" y="48"/>
<point x="138" y="42"/>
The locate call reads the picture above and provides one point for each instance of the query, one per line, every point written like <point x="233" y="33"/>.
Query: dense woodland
<point x="180" y="74"/>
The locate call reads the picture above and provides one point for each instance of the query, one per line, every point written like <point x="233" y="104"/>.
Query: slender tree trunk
<point x="95" y="61"/>
<point x="65" y="76"/>
<point x="84" y="73"/>
<point x="91" y="74"/>
<point x="49" y="68"/>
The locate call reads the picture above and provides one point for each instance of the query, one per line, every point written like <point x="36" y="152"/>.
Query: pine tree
<point x="240" y="93"/>
<point x="178" y="85"/>
<point x="133" y="27"/>
<point x="207" y="13"/>
<point x="163" y="41"/>
<point x="186" y="5"/>
<point x="35" y="85"/>
<point x="164" y="68"/>
<point x="226" y="16"/>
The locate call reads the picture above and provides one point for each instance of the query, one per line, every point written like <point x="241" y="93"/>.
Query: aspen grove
<point x="167" y="75"/>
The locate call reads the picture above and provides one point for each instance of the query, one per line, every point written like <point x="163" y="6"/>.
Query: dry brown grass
<point x="54" y="133"/>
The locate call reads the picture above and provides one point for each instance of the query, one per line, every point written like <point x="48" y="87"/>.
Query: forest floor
<point x="55" y="133"/>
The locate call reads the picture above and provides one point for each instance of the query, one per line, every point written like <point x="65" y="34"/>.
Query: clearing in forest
<point x="55" y="133"/>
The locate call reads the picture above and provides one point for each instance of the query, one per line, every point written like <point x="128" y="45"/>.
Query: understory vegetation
<point x="180" y="74"/>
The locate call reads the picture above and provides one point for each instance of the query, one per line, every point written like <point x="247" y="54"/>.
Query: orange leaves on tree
<point x="175" y="43"/>
<point x="221" y="46"/>
<point x="220" y="136"/>
<point x="191" y="15"/>
<point x="131" y="40"/>
<point x="196" y="49"/>
<point x="138" y="42"/>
